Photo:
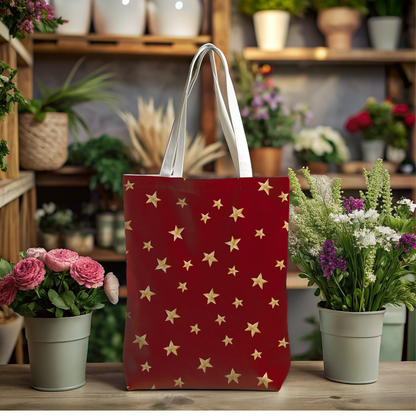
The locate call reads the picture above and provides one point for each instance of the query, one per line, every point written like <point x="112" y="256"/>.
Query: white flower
<point x="409" y="203"/>
<point x="371" y="278"/>
<point x="365" y="238"/>
<point x="39" y="213"/>
<point x="340" y="218"/>
<point x="49" y="208"/>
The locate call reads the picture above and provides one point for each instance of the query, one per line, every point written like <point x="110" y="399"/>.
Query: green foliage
<point x="314" y="338"/>
<point x="387" y="7"/>
<point x="295" y="7"/>
<point x="360" y="5"/>
<point x="4" y="151"/>
<point x="107" y="156"/>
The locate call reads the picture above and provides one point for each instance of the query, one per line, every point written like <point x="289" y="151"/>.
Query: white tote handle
<point x="172" y="165"/>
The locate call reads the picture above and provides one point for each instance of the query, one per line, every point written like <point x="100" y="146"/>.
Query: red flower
<point x="400" y="109"/>
<point x="265" y="69"/>
<point x="358" y="122"/>
<point x="8" y="290"/>
<point x="29" y="273"/>
<point x="409" y="120"/>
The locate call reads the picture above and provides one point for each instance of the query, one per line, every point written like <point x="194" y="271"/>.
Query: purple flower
<point x="272" y="100"/>
<point x="245" y="112"/>
<point x="329" y="261"/>
<point x="262" y="114"/>
<point x="259" y="86"/>
<point x="351" y="204"/>
<point x="257" y="101"/>
<point x="308" y="116"/>
<point x="407" y="241"/>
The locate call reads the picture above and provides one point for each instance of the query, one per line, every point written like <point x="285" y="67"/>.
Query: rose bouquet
<point x="57" y="283"/>
<point x="356" y="251"/>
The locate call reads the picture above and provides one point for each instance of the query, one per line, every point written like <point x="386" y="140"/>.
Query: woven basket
<point x="43" y="146"/>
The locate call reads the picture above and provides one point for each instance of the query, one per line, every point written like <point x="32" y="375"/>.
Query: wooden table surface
<point x="304" y="389"/>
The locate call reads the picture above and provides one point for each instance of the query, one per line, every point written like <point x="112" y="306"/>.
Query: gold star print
<point x="162" y="264"/>
<point x="147" y="245"/>
<point x="265" y="187"/>
<point x="178" y="382"/>
<point x="232" y="270"/>
<point x="253" y="328"/>
<point x="171" y="348"/>
<point x="145" y="367"/>
<point x="204" y="364"/>
<point x="127" y="225"/>
<point x="153" y="387"/>
<point x="260" y="233"/>
<point x="128" y="315"/>
<point x="237" y="213"/>
<point x="237" y="303"/>
<point x="256" y="354"/>
<point x="194" y="328"/>
<point x="264" y="380"/>
<point x="283" y="196"/>
<point x="233" y="376"/>
<point x="217" y="204"/>
<point x="153" y="199"/>
<point x="211" y="296"/>
<point x="171" y="315"/>
<point x="140" y="340"/>
<point x="181" y="202"/>
<point x="283" y="343"/>
<point x="258" y="281"/>
<point x="274" y="303"/>
<point x="182" y="286"/>
<point x="176" y="233"/>
<point x="147" y="294"/>
<point x="205" y="217"/>
<point x="280" y="264"/>
<point x="129" y="185"/>
<point x="220" y="319"/>
<point x="233" y="243"/>
<point x="187" y="265"/>
<point x="227" y="340"/>
<point x="286" y="226"/>
<point x="210" y="258"/>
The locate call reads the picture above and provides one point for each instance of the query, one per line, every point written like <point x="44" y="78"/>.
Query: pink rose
<point x="111" y="287"/>
<point x="87" y="271"/>
<point x="37" y="253"/>
<point x="60" y="259"/>
<point x="29" y="273"/>
<point x="8" y="290"/>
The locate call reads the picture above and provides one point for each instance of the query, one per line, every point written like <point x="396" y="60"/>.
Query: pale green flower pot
<point x="58" y="351"/>
<point x="351" y="345"/>
<point x="393" y="333"/>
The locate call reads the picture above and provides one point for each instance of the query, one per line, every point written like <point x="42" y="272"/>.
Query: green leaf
<point x="310" y="283"/>
<point x="49" y="281"/>
<point x="74" y="309"/>
<point x="57" y="300"/>
<point x="59" y="313"/>
<point x="52" y="310"/>
<point x="317" y="292"/>
<point x="68" y="297"/>
<point x="5" y="268"/>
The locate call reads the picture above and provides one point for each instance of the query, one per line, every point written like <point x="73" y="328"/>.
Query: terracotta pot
<point x="266" y="161"/>
<point x="317" y="168"/>
<point x="338" y="24"/>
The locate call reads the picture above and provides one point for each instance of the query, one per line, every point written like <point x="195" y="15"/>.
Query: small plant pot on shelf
<point x="78" y="14"/>
<point x="105" y="229"/>
<point x="80" y="242"/>
<point x="266" y="161"/>
<point x="317" y="168"/>
<point x="372" y="150"/>
<point x="9" y="333"/>
<point x="384" y="32"/>
<point x="50" y="241"/>
<point x="271" y="27"/>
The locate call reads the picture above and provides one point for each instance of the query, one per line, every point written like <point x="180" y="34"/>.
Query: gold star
<point x="220" y="319"/>
<point x="147" y="245"/>
<point x="256" y="354"/>
<point x="204" y="364"/>
<point x="283" y="343"/>
<point x="145" y="367"/>
<point x="182" y="286"/>
<point x="194" y="328"/>
<point x="205" y="217"/>
<point x="211" y="296"/>
<point x="153" y="387"/>
<point x="210" y="258"/>
<point x="283" y="196"/>
<point x="176" y="233"/>
<point x="237" y="213"/>
<point x="259" y="233"/>
<point x="217" y="204"/>
<point x="280" y="264"/>
<point x="127" y="225"/>
<point x="265" y="187"/>
<point x="233" y="243"/>
<point x="187" y="265"/>
<point x="227" y="340"/>
<point x="153" y="199"/>
<point x="233" y="376"/>
<point x="286" y="226"/>
<point x="147" y="294"/>
<point x="237" y="303"/>
<point x="140" y="340"/>
<point x="274" y="303"/>
<point x="171" y="348"/>
<point x="253" y="328"/>
<point x="264" y="380"/>
<point x="129" y="185"/>
<point x="178" y="382"/>
<point x="181" y="202"/>
<point x="232" y="270"/>
<point x="128" y="315"/>
<point x="162" y="264"/>
<point x="258" y="281"/>
<point x="171" y="315"/>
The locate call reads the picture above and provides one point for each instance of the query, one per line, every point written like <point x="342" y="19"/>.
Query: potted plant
<point x="317" y="147"/>
<point x="357" y="252"/>
<point x="338" y="20"/>
<point x="43" y="123"/>
<point x="56" y="292"/>
<point x="271" y="20"/>
<point x="78" y="13"/>
<point x="268" y="123"/>
<point x="46" y="221"/>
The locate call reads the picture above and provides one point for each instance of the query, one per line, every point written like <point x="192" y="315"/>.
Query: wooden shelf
<point x="66" y="176"/>
<point x="104" y="254"/>
<point x="10" y="189"/>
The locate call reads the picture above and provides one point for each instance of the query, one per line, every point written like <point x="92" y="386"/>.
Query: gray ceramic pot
<point x="58" y="351"/>
<point x="351" y="345"/>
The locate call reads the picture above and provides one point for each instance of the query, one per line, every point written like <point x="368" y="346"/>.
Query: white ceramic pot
<point x="9" y="333"/>
<point x="384" y="32"/>
<point x="395" y="155"/>
<point x="271" y="27"/>
<point x="174" y="18"/>
<point x="78" y="12"/>
<point x="372" y="150"/>
<point x="105" y="229"/>
<point x="50" y="240"/>
<point x="79" y="242"/>
<point x="120" y="17"/>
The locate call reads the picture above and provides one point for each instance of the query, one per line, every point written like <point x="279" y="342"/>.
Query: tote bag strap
<point x="172" y="165"/>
